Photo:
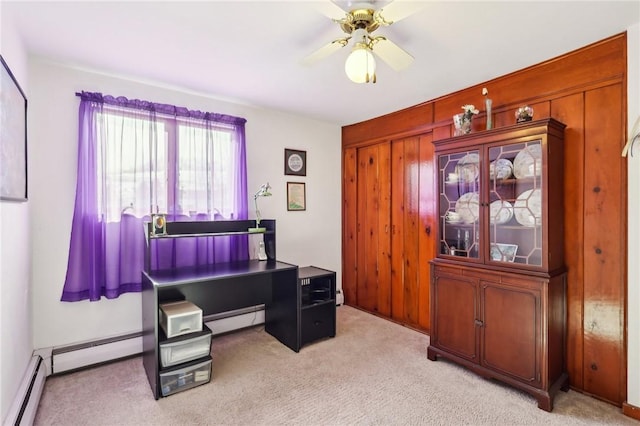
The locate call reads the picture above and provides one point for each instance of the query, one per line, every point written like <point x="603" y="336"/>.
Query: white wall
<point x="303" y="238"/>
<point x="16" y="340"/>
<point x="633" y="229"/>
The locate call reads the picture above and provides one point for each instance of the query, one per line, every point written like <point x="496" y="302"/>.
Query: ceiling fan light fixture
<point x="358" y="22"/>
<point x="361" y="65"/>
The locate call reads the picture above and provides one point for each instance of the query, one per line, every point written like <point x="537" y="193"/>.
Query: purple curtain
<point x="125" y="160"/>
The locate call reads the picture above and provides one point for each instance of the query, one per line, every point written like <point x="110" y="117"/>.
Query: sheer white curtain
<point x="132" y="161"/>
<point x="207" y="158"/>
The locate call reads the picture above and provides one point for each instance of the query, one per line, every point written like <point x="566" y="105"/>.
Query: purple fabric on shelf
<point x="106" y="253"/>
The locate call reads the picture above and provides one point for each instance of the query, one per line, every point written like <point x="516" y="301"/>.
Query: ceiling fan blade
<point x="325" y="51"/>
<point x="398" y="10"/>
<point x="330" y="10"/>
<point x="391" y="53"/>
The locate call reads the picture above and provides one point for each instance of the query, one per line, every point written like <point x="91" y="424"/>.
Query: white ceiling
<point x="250" y="51"/>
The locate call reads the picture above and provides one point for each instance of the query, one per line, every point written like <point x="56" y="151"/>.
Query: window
<point x="136" y="158"/>
<point x="195" y="160"/>
<point x="128" y="150"/>
<point x="205" y="166"/>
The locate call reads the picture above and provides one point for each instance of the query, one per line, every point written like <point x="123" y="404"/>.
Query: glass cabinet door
<point x="459" y="203"/>
<point x="515" y="203"/>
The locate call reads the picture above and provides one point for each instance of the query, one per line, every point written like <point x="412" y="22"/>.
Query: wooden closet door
<point x="411" y="218"/>
<point x="349" y="225"/>
<point x="405" y="154"/>
<point x="427" y="223"/>
<point x="373" y="245"/>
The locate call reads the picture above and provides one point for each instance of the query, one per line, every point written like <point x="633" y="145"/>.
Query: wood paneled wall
<point x="586" y="90"/>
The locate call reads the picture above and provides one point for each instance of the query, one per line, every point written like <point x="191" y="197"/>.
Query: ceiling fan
<point x="359" y="21"/>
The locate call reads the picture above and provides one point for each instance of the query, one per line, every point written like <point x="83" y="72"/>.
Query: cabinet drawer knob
<point x="479" y="323"/>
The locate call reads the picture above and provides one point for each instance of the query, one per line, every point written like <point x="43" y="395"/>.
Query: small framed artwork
<point x="13" y="137"/>
<point x="159" y="224"/>
<point x="503" y="252"/>
<point x="296" y="196"/>
<point x="295" y="162"/>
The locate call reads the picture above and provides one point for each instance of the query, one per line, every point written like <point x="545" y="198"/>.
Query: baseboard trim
<point x="74" y="357"/>
<point x="631" y="410"/>
<point x="240" y="320"/>
<point x="79" y="346"/>
<point x="24" y="407"/>
<point x="234" y="313"/>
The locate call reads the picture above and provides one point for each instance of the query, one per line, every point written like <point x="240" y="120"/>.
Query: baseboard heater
<point x="74" y="357"/>
<point x="24" y="407"/>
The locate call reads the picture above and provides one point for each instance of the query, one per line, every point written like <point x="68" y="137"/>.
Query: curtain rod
<point x="160" y="108"/>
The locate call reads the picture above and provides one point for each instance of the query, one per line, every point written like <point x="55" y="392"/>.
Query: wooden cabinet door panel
<point x="511" y="331"/>
<point x="455" y="306"/>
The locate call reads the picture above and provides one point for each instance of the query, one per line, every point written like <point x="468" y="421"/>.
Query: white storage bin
<point x="185" y="348"/>
<point x="186" y="377"/>
<point x="178" y="318"/>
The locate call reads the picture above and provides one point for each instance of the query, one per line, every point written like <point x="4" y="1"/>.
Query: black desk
<point x="221" y="288"/>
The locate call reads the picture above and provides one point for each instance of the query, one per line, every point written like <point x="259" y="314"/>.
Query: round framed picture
<point x="295" y="162"/>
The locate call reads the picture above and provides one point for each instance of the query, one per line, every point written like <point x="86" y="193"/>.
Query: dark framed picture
<point x="295" y="162"/>
<point x="13" y="137"/>
<point x="296" y="196"/>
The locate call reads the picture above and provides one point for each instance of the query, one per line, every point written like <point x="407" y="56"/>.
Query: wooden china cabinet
<point x="498" y="282"/>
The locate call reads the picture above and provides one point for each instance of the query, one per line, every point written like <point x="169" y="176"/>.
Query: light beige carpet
<point x="374" y="372"/>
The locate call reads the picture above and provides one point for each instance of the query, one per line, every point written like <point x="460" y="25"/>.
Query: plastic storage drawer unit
<point x="178" y="318"/>
<point x="185" y="377"/>
<point x="185" y="348"/>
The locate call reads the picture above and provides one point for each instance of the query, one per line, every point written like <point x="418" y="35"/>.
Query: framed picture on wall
<point x="296" y="196"/>
<point x="295" y="162"/>
<point x="13" y="137"/>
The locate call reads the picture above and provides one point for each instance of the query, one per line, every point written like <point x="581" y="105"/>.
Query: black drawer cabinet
<point x="318" y="322"/>
<point x="317" y="301"/>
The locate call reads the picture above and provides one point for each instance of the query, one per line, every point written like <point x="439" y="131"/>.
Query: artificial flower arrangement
<point x="469" y="112"/>
<point x="524" y="113"/>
